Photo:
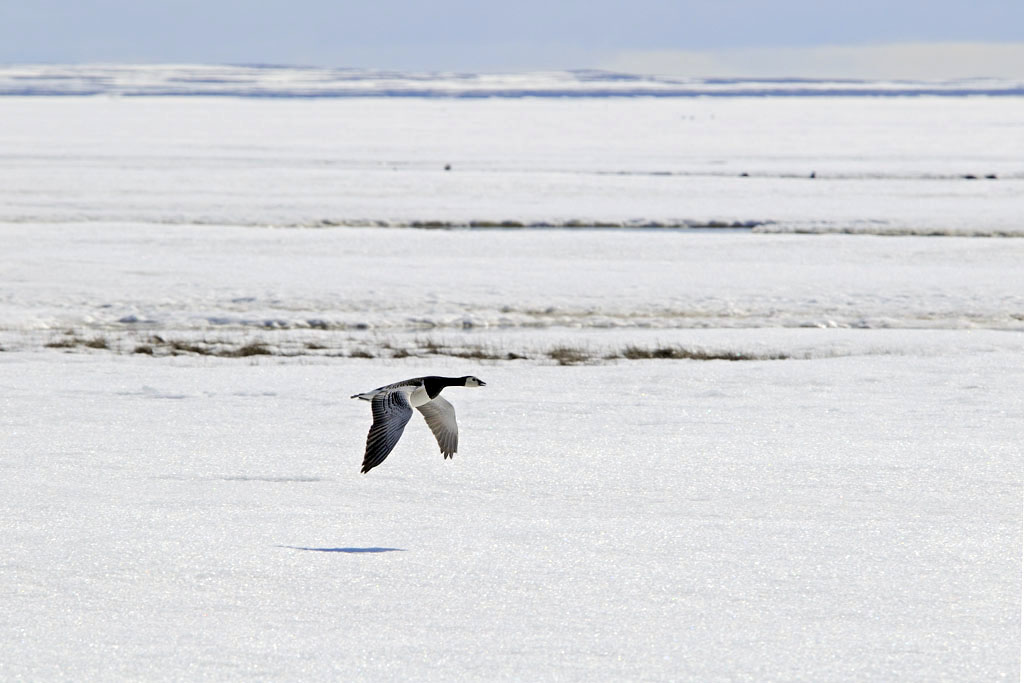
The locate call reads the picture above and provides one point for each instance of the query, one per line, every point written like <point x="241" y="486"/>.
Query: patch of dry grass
<point x="250" y="349"/>
<point x="569" y="355"/>
<point x="633" y="352"/>
<point x="402" y="347"/>
<point x="71" y="341"/>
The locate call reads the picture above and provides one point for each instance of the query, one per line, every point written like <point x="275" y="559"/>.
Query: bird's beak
<point x="482" y="383"/>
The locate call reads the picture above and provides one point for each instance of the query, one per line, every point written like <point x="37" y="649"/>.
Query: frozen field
<point x="880" y="165"/>
<point x="849" y="518"/>
<point x="739" y="454"/>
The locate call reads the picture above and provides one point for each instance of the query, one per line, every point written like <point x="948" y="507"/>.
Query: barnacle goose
<point x="392" y="407"/>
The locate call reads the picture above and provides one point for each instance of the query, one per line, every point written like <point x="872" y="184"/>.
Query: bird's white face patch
<point x="473" y="382"/>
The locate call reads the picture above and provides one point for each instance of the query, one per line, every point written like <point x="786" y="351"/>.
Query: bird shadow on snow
<point x="345" y="550"/>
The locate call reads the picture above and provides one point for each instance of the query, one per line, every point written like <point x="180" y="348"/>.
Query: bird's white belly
<point x="418" y="397"/>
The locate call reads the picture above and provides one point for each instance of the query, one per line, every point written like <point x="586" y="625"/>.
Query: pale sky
<point x="815" y="38"/>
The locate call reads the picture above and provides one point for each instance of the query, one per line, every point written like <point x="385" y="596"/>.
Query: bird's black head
<point x="471" y="381"/>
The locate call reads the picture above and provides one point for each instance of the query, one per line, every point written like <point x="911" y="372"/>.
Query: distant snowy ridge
<point x="284" y="81"/>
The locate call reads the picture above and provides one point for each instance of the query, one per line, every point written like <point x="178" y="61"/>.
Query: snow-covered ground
<point x="843" y="519"/>
<point x="344" y="288"/>
<point x="180" y="490"/>
<point x="904" y="165"/>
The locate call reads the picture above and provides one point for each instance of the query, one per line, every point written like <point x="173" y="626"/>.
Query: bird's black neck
<point x="434" y="385"/>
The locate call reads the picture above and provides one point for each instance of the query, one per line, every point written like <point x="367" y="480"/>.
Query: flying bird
<point x="392" y="407"/>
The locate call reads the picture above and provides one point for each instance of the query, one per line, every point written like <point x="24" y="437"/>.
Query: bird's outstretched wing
<point x="391" y="412"/>
<point x="440" y="417"/>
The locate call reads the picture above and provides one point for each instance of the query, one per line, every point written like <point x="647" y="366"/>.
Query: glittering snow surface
<point x="840" y="502"/>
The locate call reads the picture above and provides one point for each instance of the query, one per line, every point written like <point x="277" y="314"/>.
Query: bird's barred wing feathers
<point x="391" y="412"/>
